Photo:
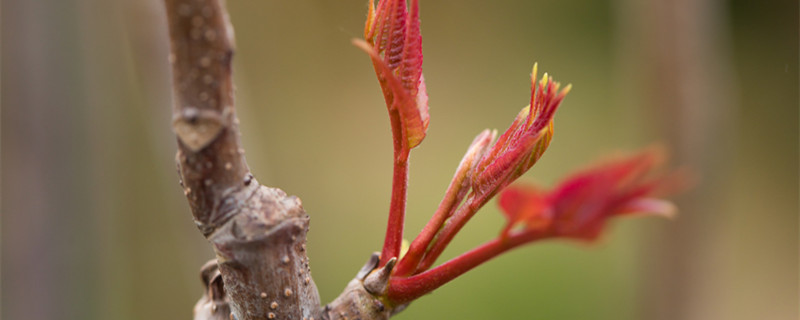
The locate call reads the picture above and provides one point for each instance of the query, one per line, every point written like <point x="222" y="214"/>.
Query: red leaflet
<point x="394" y="43"/>
<point x="524" y="142"/>
<point x="525" y="205"/>
<point x="580" y="205"/>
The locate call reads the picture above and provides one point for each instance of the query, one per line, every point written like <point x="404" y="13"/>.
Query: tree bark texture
<point x="258" y="233"/>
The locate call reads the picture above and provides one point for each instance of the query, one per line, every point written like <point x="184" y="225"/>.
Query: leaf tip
<point x="566" y="89"/>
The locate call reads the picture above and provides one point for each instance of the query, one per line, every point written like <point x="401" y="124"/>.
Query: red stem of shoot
<point x="408" y="264"/>
<point x="406" y="289"/>
<point x="450" y="229"/>
<point x="393" y="241"/>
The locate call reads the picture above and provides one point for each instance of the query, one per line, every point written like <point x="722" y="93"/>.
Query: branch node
<point x="371" y="264"/>
<point x="377" y="281"/>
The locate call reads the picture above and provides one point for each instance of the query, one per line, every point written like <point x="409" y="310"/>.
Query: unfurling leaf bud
<point x="394" y="43"/>
<point x="518" y="149"/>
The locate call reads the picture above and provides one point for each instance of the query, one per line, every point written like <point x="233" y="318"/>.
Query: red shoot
<point x="577" y="208"/>
<point x="394" y="44"/>
<point x="512" y="155"/>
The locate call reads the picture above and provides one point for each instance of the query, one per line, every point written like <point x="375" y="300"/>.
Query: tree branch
<point x="210" y="159"/>
<point x="258" y="233"/>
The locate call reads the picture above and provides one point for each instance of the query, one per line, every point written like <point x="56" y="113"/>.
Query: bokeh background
<point x="95" y="226"/>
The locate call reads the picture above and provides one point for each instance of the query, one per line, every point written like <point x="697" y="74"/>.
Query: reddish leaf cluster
<point x="524" y="142"/>
<point x="486" y="169"/>
<point x="578" y="208"/>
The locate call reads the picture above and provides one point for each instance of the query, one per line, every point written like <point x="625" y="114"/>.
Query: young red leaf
<point x="394" y="43"/>
<point x="580" y="206"/>
<point x="518" y="149"/>
<point x="526" y="205"/>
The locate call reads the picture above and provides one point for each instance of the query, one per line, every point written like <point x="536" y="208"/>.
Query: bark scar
<point x="197" y="128"/>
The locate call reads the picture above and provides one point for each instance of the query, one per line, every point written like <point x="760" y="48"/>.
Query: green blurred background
<point x="95" y="226"/>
